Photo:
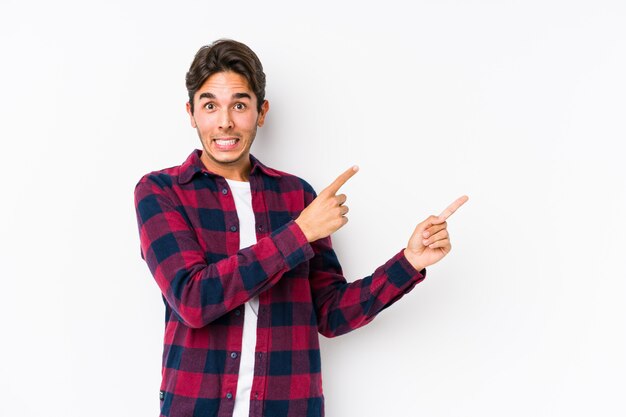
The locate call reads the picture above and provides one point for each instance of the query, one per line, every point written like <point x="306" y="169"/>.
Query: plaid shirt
<point x="189" y="236"/>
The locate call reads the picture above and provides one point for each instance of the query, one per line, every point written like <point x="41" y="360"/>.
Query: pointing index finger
<point x="341" y="180"/>
<point x="453" y="207"/>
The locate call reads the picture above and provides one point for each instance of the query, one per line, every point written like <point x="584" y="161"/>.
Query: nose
<point x="226" y="122"/>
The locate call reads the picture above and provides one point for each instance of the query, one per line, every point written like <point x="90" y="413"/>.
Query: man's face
<point x="226" y="118"/>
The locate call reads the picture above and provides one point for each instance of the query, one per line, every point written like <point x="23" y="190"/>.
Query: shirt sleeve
<point x="199" y="292"/>
<point x="341" y="306"/>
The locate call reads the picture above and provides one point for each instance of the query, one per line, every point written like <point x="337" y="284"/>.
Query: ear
<point x="191" y="118"/>
<point x="265" y="107"/>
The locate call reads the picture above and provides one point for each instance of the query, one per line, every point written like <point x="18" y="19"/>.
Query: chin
<point x="227" y="159"/>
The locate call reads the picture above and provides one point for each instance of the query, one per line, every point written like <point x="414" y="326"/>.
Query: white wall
<point x="519" y="104"/>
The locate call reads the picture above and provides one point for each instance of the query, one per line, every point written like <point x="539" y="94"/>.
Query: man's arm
<point x="199" y="292"/>
<point x="343" y="306"/>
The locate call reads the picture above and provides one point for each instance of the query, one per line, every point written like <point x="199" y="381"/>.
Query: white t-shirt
<point x="247" y="237"/>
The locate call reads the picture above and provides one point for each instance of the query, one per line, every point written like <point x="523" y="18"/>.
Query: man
<point x="243" y="257"/>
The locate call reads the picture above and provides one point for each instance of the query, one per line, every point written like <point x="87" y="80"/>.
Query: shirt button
<point x="233" y="355"/>
<point x="260" y="228"/>
<point x="256" y="395"/>
<point x="229" y="395"/>
<point x="206" y="174"/>
<point x="224" y="191"/>
<point x="233" y="228"/>
<point x="237" y="312"/>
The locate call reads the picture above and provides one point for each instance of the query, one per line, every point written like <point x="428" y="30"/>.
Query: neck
<point x="237" y="171"/>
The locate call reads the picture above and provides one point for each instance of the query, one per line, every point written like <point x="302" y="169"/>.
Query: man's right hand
<point x="327" y="213"/>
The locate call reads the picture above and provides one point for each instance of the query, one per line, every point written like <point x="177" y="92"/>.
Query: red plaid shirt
<point x="189" y="235"/>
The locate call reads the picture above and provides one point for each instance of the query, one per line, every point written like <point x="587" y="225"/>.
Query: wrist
<point x="412" y="258"/>
<point x="305" y="230"/>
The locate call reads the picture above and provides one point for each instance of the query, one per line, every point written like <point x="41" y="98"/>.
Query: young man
<point x="243" y="257"/>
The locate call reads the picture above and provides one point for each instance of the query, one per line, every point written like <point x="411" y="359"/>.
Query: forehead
<point x="225" y="83"/>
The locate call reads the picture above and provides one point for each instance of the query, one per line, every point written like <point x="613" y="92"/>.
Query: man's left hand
<point x="430" y="241"/>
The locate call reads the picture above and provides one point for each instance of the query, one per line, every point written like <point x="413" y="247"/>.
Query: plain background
<point x="519" y="104"/>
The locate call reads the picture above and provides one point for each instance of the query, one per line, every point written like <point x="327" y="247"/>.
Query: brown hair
<point x="226" y="55"/>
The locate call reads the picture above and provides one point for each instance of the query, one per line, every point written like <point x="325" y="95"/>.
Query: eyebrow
<point x="242" y="95"/>
<point x="236" y="95"/>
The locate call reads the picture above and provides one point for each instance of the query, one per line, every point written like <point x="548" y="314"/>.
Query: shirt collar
<point x="193" y="165"/>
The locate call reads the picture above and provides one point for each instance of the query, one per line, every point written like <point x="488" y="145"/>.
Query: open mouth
<point x="226" y="144"/>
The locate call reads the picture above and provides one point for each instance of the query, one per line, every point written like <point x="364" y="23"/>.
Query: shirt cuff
<point x="400" y="271"/>
<point x="292" y="244"/>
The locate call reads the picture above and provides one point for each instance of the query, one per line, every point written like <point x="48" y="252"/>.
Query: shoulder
<point x="161" y="179"/>
<point x="276" y="178"/>
<point x="290" y="187"/>
<point x="288" y="182"/>
<point x="295" y="180"/>
<point x="171" y="177"/>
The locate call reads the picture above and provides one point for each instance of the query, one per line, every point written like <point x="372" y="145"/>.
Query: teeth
<point x="224" y="142"/>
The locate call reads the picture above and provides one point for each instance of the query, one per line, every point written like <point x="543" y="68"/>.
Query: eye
<point x="240" y="106"/>
<point x="209" y="106"/>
